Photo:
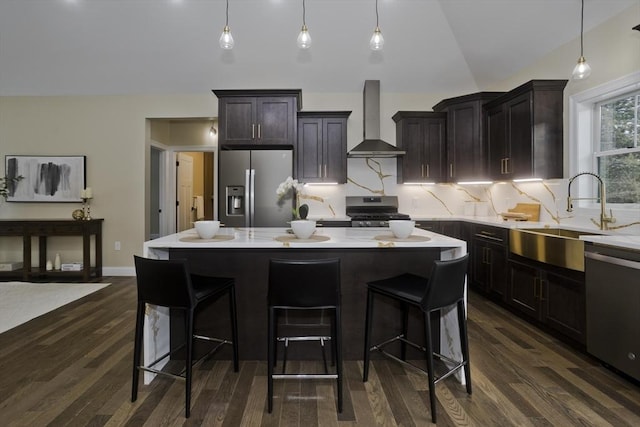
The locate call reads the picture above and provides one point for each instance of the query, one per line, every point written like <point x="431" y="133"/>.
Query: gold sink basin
<point x="556" y="246"/>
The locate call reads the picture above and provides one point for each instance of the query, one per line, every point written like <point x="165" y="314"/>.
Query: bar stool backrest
<point x="304" y="283"/>
<point x="164" y="282"/>
<point x="446" y="283"/>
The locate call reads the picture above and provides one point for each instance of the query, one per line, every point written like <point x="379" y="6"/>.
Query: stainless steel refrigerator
<point x="248" y="180"/>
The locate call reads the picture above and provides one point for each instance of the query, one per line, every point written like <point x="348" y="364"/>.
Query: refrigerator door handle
<point x="252" y="210"/>
<point x="248" y="191"/>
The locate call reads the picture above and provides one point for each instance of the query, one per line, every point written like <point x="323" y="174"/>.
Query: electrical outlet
<point x="117" y="246"/>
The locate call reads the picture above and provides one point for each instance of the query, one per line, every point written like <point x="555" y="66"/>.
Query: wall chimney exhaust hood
<point x="373" y="146"/>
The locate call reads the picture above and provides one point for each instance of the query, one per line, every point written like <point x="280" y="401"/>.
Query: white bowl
<point x="401" y="228"/>
<point x="207" y="229"/>
<point x="303" y="228"/>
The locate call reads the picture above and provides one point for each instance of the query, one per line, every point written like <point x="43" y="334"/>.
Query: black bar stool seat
<point x="304" y="285"/>
<point x="443" y="289"/>
<point x="168" y="283"/>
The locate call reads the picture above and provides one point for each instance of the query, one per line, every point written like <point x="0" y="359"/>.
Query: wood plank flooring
<point x="73" y="367"/>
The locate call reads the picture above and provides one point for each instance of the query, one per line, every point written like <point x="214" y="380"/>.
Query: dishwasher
<point x="612" y="277"/>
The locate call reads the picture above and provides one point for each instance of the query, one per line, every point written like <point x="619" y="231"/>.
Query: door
<point x="275" y="124"/>
<point x="270" y="168"/>
<point x="237" y="120"/>
<point x="185" y="191"/>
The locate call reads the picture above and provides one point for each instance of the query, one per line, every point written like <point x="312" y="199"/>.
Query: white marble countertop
<point x="345" y="237"/>
<point x="624" y="242"/>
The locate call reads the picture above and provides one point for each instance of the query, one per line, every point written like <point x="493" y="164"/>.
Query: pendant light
<point x="226" y="39"/>
<point x="304" y="38"/>
<point x="377" y="41"/>
<point x="582" y="69"/>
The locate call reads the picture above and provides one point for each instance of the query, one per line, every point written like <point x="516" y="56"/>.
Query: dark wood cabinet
<point x="444" y="227"/>
<point x="466" y="151"/>
<point x="489" y="260"/>
<point x="422" y="135"/>
<point x="321" y="151"/>
<point x="553" y="296"/>
<point x="524" y="131"/>
<point x="257" y="118"/>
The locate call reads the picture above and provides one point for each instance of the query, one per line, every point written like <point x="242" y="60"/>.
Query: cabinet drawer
<point x="491" y="234"/>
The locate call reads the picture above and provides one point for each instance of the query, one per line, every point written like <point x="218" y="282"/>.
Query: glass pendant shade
<point x="582" y="69"/>
<point x="226" y="39"/>
<point x="304" y="38"/>
<point x="377" y="41"/>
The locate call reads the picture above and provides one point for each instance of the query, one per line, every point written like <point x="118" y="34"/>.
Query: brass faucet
<point x="605" y="219"/>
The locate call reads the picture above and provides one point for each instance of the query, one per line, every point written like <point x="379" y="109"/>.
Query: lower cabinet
<point x="488" y="248"/>
<point x="553" y="296"/>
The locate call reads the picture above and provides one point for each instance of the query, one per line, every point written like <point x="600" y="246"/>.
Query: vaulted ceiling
<point x="75" y="47"/>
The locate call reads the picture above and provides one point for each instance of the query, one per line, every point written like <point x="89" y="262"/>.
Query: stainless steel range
<point x="373" y="211"/>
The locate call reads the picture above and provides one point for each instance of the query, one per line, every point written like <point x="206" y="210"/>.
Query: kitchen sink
<point x="556" y="246"/>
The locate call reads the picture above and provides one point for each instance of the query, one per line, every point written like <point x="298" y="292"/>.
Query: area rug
<point x="23" y="301"/>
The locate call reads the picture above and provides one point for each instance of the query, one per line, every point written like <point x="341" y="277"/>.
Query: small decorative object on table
<point x="86" y="195"/>
<point x="295" y="187"/>
<point x="78" y="214"/>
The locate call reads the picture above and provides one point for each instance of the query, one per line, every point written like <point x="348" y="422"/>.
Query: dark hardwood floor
<point x="73" y="367"/>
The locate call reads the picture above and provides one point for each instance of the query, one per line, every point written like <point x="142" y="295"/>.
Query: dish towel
<point x="198" y="207"/>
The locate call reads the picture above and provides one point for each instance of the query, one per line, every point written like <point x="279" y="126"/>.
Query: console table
<point x="44" y="228"/>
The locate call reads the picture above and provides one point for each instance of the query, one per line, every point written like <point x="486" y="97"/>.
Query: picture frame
<point x="58" y="179"/>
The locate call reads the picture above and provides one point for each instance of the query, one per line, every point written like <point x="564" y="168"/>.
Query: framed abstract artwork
<point x="46" y="178"/>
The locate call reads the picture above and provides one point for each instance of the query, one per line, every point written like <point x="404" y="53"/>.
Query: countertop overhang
<point x="338" y="237"/>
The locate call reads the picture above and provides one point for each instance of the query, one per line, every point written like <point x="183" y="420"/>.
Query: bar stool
<point x="304" y="285"/>
<point x="168" y="283"/>
<point x="444" y="288"/>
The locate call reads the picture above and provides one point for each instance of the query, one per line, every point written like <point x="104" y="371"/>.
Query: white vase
<point x="57" y="264"/>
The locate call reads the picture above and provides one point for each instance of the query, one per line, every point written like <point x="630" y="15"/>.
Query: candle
<point x="88" y="193"/>
<point x="83" y="194"/>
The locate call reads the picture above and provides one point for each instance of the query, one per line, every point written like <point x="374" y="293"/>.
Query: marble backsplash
<point x="378" y="177"/>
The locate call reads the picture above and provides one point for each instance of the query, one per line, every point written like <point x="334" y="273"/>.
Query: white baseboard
<point x="118" y="271"/>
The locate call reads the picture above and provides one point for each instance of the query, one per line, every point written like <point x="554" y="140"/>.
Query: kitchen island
<point x="243" y="253"/>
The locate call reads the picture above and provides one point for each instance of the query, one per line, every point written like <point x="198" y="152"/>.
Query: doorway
<point x="194" y="188"/>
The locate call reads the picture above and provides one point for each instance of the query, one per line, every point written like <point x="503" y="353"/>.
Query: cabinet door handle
<point x="259" y="131"/>
<point x="422" y="171"/>
<point x="502" y="166"/>
<point x="253" y="131"/>
<point x="428" y="173"/>
<point x="450" y="170"/>
<point x="536" y="293"/>
<point x="542" y="282"/>
<point x="320" y="170"/>
<point x="325" y="170"/>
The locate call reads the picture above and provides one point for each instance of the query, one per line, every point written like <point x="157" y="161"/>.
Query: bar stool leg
<point x="430" y="371"/>
<point x="338" y="345"/>
<point x="367" y="335"/>
<point x="188" y="361"/>
<point x="271" y="357"/>
<point x="405" y="325"/>
<point x="137" y="350"/>
<point x="234" y="327"/>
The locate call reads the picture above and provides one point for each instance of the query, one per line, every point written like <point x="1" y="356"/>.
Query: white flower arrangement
<point x="291" y="185"/>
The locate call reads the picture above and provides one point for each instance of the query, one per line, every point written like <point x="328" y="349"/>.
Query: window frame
<point x="584" y="124"/>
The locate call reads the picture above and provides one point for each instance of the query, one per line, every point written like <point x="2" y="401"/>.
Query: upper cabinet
<point x="422" y="135"/>
<point x="321" y="152"/>
<point x="524" y="131"/>
<point x="466" y="153"/>
<point x="258" y="118"/>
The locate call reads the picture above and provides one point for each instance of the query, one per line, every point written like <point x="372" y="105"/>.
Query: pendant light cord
<point x="377" y="18"/>
<point x="304" y="12"/>
<point x="227" y="15"/>
<point x="581" y="29"/>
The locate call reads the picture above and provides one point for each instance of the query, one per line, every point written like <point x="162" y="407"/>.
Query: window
<point x="617" y="147"/>
<point x="604" y="138"/>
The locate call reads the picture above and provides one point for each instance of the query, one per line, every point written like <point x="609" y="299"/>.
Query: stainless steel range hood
<point x="373" y="146"/>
